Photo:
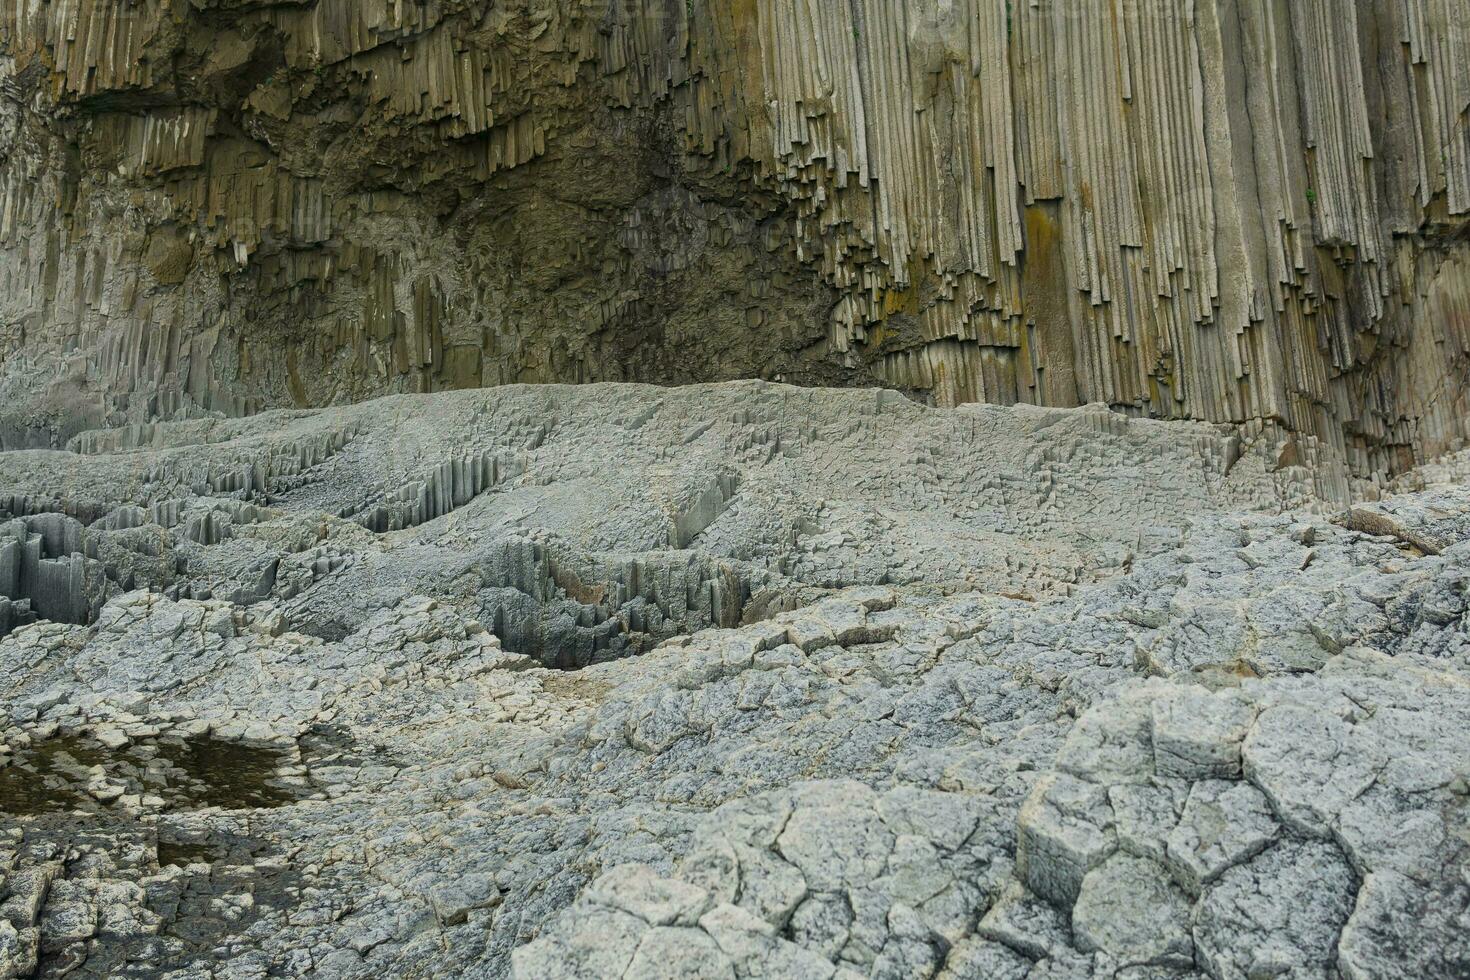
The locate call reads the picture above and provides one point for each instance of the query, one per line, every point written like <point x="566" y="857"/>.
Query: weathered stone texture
<point x="849" y="687"/>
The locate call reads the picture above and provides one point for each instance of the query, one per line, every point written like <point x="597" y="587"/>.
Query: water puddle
<point x="43" y="777"/>
<point x="232" y="775"/>
<point x="74" y="772"/>
<point x="182" y="854"/>
<point x="163" y="821"/>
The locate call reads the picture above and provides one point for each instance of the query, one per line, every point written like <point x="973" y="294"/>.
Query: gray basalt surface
<point x="727" y="681"/>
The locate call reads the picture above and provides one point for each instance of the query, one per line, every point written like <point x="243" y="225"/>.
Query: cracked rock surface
<point x="730" y="681"/>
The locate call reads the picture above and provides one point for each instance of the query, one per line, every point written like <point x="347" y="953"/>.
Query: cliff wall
<point x="1246" y="211"/>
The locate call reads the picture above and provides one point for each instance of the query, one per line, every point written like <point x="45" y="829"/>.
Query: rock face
<point x="731" y="681"/>
<point x="1217" y="210"/>
<point x="1084" y="608"/>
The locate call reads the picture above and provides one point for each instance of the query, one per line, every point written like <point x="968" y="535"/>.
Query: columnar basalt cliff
<point x="1213" y="209"/>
